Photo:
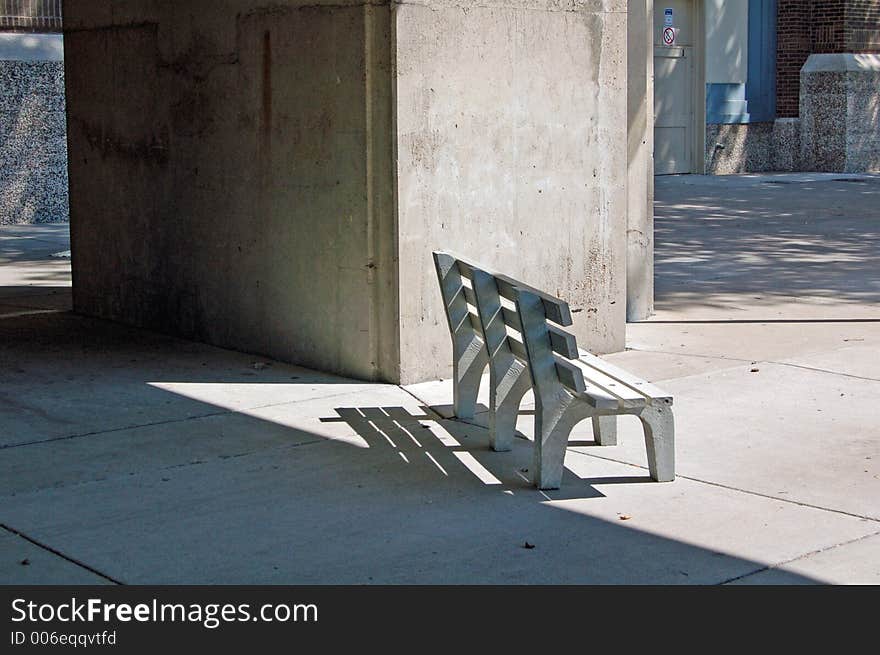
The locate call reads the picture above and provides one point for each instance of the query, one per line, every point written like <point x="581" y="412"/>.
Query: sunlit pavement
<point x="127" y="456"/>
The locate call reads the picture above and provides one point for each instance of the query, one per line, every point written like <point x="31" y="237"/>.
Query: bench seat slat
<point x="626" y="397"/>
<point x="643" y="387"/>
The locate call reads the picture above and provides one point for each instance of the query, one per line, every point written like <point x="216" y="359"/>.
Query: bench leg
<point x="468" y="373"/>
<point x="605" y="430"/>
<point x="506" y="396"/>
<point x="552" y="428"/>
<point x="660" y="441"/>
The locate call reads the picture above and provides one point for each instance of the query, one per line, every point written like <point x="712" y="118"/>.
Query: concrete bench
<point x="516" y="330"/>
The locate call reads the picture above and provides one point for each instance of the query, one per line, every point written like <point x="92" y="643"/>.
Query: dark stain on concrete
<point x="152" y="149"/>
<point x="266" y="123"/>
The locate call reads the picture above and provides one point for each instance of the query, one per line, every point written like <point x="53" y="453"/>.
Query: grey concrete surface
<point x="512" y="133"/>
<point x="245" y="173"/>
<point x="279" y="515"/>
<point x="640" y="160"/>
<point x="25" y="563"/>
<point x="136" y="457"/>
<point x="856" y="560"/>
<point x="777" y="246"/>
<point x="221" y="171"/>
<point x="31" y="276"/>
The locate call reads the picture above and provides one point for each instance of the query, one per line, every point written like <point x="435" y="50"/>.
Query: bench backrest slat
<point x="490" y="312"/>
<point x="511" y="318"/>
<point x="458" y="297"/>
<point x="562" y="342"/>
<point x="555" y="309"/>
<point x="518" y="348"/>
<point x="569" y="375"/>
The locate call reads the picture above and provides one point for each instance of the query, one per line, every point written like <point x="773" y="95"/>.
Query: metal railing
<point x="30" y="16"/>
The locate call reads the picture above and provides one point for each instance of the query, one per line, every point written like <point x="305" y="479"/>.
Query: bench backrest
<point x="496" y="307"/>
<point x="481" y="304"/>
<point x="548" y="346"/>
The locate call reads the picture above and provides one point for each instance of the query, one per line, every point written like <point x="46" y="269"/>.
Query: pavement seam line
<point x="756" y="361"/>
<point x="16" y="301"/>
<point x="732" y="488"/>
<point x="169" y="467"/>
<point x="771" y="567"/>
<point x="110" y="431"/>
<point x="666" y="352"/>
<point x="58" y="553"/>
<point x="30" y="311"/>
<point x="169" y="421"/>
<point x="825" y="370"/>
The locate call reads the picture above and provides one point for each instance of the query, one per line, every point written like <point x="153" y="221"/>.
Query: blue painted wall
<point x="761" y="84"/>
<point x="755" y="100"/>
<point x="726" y="103"/>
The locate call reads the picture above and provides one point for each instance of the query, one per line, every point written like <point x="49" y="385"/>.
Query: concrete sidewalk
<point x="33" y="273"/>
<point x="127" y="456"/>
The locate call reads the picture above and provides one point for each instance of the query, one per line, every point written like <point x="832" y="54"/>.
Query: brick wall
<point x="827" y="25"/>
<point x="30" y="16"/>
<point x="862" y="26"/>
<point x="792" y="49"/>
<point x="805" y="27"/>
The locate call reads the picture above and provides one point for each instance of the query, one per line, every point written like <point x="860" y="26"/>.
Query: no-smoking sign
<point x="669" y="35"/>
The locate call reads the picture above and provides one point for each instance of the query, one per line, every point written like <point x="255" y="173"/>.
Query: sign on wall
<point x="668" y="17"/>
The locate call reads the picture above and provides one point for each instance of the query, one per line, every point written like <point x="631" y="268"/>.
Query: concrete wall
<point x="220" y="183"/>
<point x="233" y="174"/>
<point x="512" y="150"/>
<point x="33" y="139"/>
<point x="640" y="161"/>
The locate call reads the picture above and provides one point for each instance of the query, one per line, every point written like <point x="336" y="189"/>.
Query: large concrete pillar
<point x="272" y="176"/>
<point x="640" y="161"/>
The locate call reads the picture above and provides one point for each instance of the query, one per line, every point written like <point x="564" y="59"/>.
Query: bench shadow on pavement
<point x="481" y="419"/>
<point x="455" y="446"/>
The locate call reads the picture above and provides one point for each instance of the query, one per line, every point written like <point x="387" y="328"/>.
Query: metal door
<point x="674" y="87"/>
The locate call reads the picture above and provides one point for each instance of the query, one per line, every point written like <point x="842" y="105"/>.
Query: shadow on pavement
<point x="146" y="485"/>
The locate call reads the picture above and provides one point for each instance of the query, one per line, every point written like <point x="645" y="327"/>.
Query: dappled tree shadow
<point x="767" y="236"/>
